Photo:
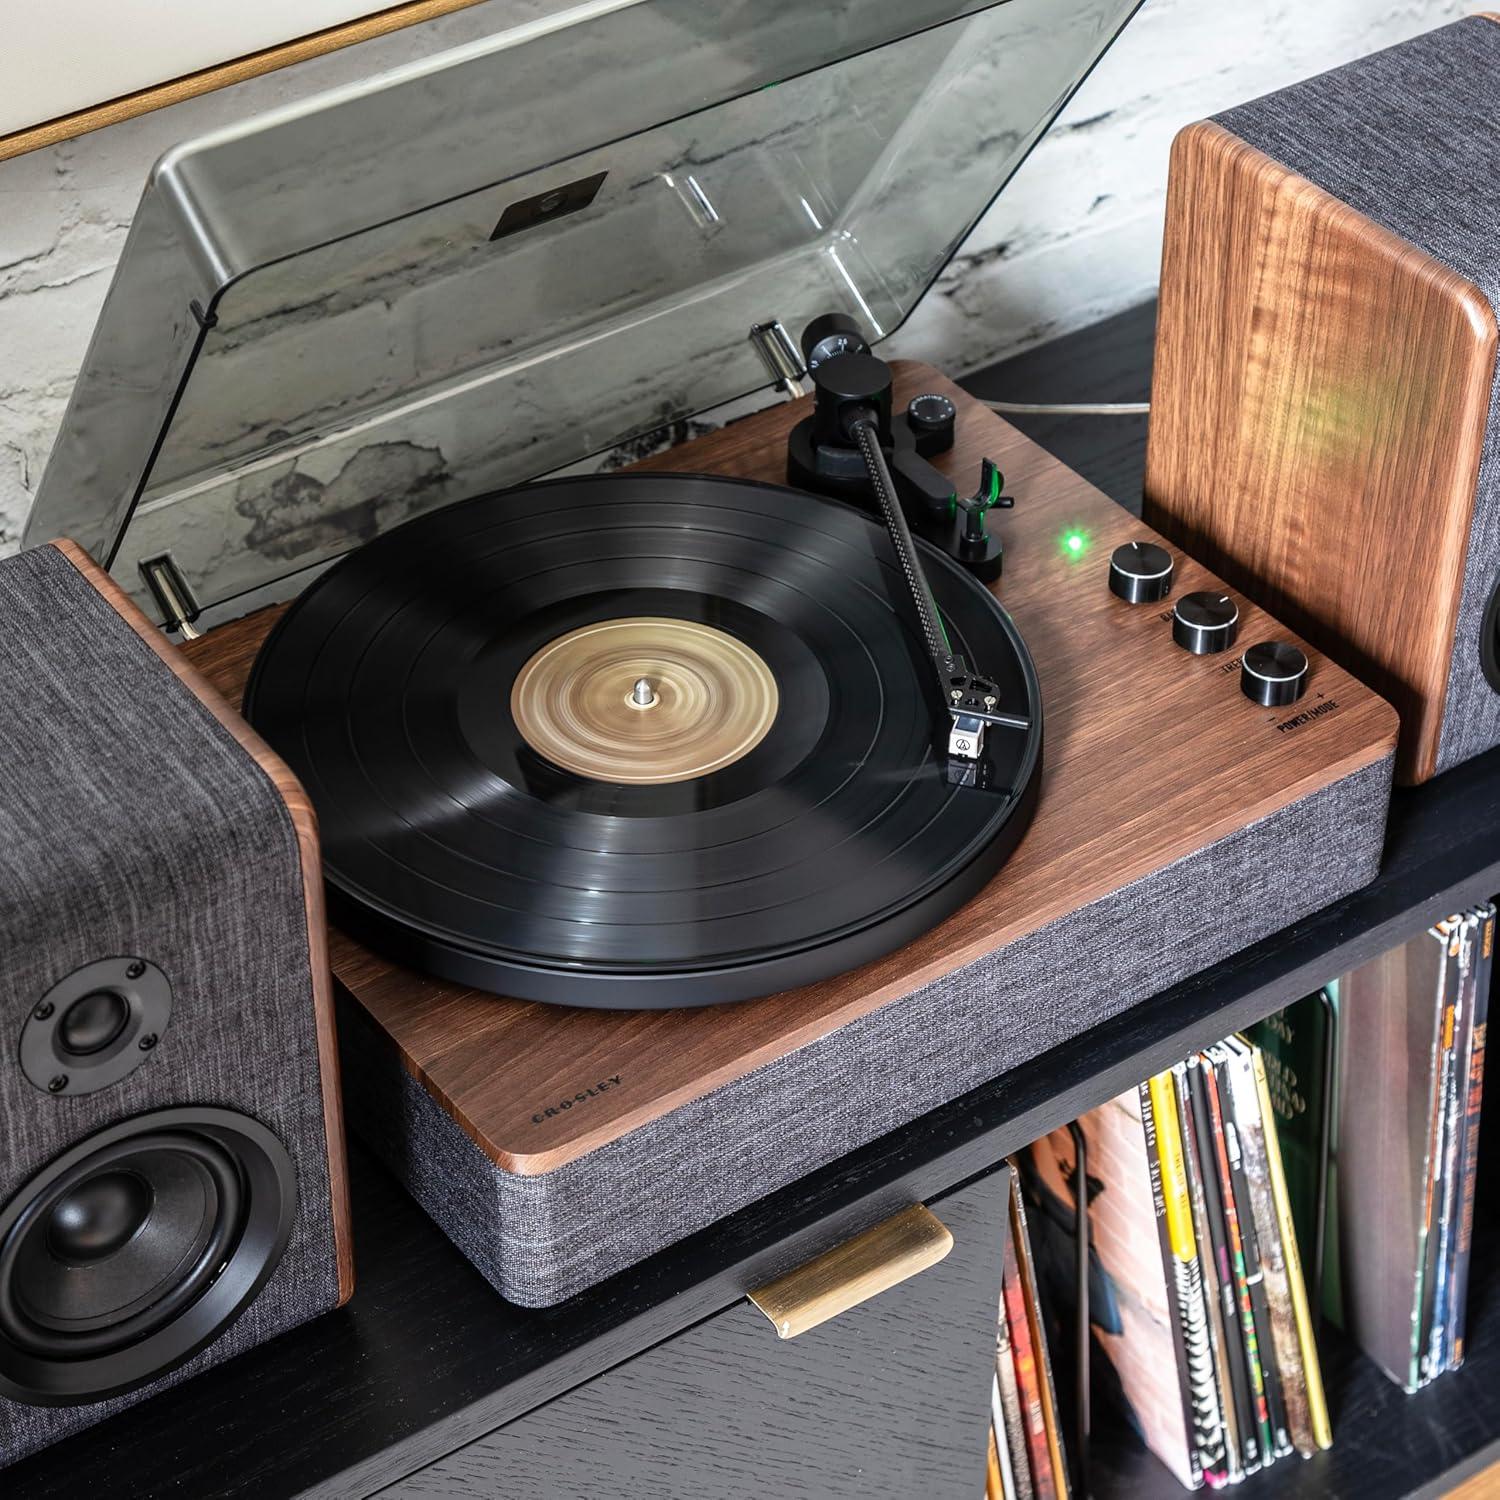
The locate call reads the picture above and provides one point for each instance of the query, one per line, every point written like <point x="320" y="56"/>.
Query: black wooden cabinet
<point x="889" y="1398"/>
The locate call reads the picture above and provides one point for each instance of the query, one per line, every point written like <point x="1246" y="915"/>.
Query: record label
<point x="643" y="701"/>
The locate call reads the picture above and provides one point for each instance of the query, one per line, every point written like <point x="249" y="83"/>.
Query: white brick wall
<point x="1080" y="225"/>
<point x="1076" y="237"/>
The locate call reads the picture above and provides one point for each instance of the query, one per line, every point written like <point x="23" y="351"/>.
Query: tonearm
<point x="852" y="446"/>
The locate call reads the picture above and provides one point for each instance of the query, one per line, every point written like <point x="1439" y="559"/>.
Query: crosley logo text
<point x="583" y="1096"/>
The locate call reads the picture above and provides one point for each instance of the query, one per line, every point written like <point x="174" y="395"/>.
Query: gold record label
<point x="644" y="701"/>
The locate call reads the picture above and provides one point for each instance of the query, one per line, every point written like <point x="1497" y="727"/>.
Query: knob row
<point x="1272" y="673"/>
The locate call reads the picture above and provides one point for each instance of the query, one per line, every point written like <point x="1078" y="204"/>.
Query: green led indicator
<point x="1073" y="543"/>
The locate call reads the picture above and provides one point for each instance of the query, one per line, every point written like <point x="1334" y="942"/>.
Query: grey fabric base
<point x="1408" y="137"/>
<point x="539" y="1239"/>
<point x="132" y="823"/>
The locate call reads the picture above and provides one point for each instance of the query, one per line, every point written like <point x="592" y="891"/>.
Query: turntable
<point x="688" y="824"/>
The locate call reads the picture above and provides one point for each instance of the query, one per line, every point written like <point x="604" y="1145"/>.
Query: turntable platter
<point x="458" y="697"/>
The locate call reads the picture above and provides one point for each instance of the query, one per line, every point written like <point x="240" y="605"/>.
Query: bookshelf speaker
<point x="1325" y="432"/>
<point x="172" y="1185"/>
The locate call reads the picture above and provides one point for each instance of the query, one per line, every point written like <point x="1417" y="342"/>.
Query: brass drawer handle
<point x="855" y="1271"/>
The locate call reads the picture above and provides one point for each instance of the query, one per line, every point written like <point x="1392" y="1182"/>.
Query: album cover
<point x="1302" y="1312"/>
<point x="1446" y="1169"/>
<point x="1473" y="1075"/>
<point x="1235" y="1228"/>
<point x="1330" y="1302"/>
<point x="1028" y="1377"/>
<point x="1390" y="1020"/>
<point x="1051" y="1419"/>
<point x="1255" y="1156"/>
<point x="1184" y="1275"/>
<point x="1297" y="1045"/>
<point x="1234" y="1469"/>
<point x="1136" y="1368"/>
<point x="1245" y="1213"/>
<point x="1010" y="1430"/>
<point x="1236" y="1358"/>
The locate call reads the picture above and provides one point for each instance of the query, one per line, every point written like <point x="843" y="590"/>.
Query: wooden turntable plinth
<point x="1176" y="821"/>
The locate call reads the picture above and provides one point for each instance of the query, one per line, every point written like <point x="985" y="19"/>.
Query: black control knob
<point x="1140" y="572"/>
<point x="1273" y="674"/>
<point x="1204" y="623"/>
<point x="931" y="418"/>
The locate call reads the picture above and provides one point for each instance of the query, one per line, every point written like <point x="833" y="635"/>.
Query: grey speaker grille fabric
<point x="540" y="1239"/>
<point x="1410" y="137"/>
<point x="132" y="823"/>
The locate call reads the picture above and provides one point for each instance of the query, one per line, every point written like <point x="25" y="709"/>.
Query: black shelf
<point x="427" y="1358"/>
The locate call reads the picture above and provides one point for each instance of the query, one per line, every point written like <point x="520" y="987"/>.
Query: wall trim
<point x="221" y="75"/>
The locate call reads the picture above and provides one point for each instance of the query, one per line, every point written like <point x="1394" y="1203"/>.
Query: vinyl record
<point x="640" y="741"/>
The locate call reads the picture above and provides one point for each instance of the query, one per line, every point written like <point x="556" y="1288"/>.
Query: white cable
<point x="1069" y="409"/>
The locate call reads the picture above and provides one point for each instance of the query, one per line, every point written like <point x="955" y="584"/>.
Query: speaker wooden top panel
<point x="1151" y="754"/>
<point x="1320" y="401"/>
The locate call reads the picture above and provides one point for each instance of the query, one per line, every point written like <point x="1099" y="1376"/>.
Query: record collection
<point x="1028" y="1452"/>
<point x="1411" y="1050"/>
<point x="1197" y="1300"/>
<point x="1222" y="1211"/>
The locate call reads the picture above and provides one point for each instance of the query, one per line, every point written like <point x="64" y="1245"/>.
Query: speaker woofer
<point x="1489" y="640"/>
<point x="119" y="1245"/>
<point x="134" y="1249"/>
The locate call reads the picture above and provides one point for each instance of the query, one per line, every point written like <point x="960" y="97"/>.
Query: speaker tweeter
<point x="96" y="1026"/>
